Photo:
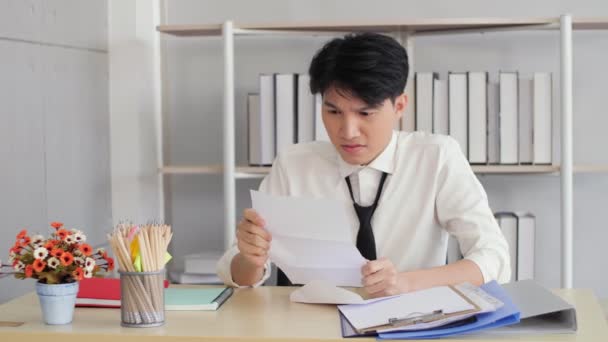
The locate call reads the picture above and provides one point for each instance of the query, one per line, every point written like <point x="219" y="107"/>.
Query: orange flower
<point x="29" y="271"/>
<point x="78" y="274"/>
<point x="26" y="241"/>
<point x="22" y="234"/>
<point x="57" y="253"/>
<point x="49" y="245"/>
<point x="66" y="259"/>
<point x="56" y="225"/>
<point x="110" y="262"/>
<point x="62" y="233"/>
<point x="86" y="249"/>
<point x="39" y="265"/>
<point x="16" y="249"/>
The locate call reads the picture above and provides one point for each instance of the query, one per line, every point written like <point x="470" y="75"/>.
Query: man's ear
<point x="400" y="104"/>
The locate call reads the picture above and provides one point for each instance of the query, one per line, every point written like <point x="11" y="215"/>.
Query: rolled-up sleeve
<point x="274" y="183"/>
<point x="463" y="210"/>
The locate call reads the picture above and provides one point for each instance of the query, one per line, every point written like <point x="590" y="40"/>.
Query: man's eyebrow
<point x="362" y="109"/>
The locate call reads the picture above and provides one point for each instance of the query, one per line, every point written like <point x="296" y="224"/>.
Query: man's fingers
<point x="374" y="266"/>
<point x="253" y="239"/>
<point x="253" y="217"/>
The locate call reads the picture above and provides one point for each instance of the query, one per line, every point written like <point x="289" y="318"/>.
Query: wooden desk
<point x="260" y="314"/>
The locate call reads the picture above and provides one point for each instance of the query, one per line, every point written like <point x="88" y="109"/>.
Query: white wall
<point x="54" y="132"/>
<point x="194" y="82"/>
<point x="133" y="109"/>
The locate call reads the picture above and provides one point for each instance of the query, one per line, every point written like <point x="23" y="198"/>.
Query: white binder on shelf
<point x="493" y="124"/>
<point x="543" y="137"/>
<point x="254" y="135"/>
<point x="525" y="121"/>
<point x="526" y="232"/>
<point x="320" y="132"/>
<point x="285" y="106"/>
<point x="266" y="128"/>
<point x="508" y="224"/>
<point x="305" y="110"/>
<point x="458" y="109"/>
<point x="508" y="118"/>
<point x="440" y="106"/>
<point x="424" y="101"/>
<point x="478" y="117"/>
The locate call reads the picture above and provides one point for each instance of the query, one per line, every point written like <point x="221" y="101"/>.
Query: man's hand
<point x="253" y="239"/>
<point x="380" y="279"/>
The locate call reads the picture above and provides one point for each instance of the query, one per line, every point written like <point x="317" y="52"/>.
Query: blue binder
<point x="508" y="314"/>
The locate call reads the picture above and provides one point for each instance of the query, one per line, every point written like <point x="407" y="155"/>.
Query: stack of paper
<point x="310" y="247"/>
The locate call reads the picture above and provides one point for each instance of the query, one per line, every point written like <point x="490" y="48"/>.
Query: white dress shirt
<point x="430" y="193"/>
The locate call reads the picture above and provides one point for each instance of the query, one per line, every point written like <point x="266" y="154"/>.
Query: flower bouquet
<point x="58" y="263"/>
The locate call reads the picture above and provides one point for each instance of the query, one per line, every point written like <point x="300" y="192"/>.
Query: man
<point x="409" y="191"/>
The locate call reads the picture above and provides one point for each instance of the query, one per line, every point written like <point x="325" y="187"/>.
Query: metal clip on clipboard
<point x="416" y="319"/>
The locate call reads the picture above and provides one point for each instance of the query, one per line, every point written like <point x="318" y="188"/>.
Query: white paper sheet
<point x="310" y="239"/>
<point x="320" y="292"/>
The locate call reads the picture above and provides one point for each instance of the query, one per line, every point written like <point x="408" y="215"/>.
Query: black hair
<point x="369" y="66"/>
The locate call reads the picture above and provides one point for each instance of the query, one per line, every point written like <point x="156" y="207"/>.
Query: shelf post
<point x="229" y="145"/>
<point x="566" y="149"/>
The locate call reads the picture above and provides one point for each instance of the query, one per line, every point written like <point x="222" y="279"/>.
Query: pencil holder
<point x="142" y="299"/>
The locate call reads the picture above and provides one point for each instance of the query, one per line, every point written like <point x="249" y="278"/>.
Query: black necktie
<point x="366" y="243"/>
<point x="365" y="237"/>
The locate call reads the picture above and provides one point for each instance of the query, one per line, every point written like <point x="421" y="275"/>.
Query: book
<point x="320" y="132"/>
<point x="478" y="117"/>
<point x="424" y="101"/>
<point x="196" y="299"/>
<point x="508" y="224"/>
<point x="202" y="263"/>
<point x="542" y="118"/>
<point x="458" y="110"/>
<point x="508" y="102"/>
<point x="285" y="107"/>
<point x="525" y="121"/>
<point x="181" y="277"/>
<point x="493" y="124"/>
<point x="254" y="132"/>
<point x="266" y="128"/>
<point x="100" y="292"/>
<point x="306" y="111"/>
<point x="525" y="245"/>
<point x="440" y="106"/>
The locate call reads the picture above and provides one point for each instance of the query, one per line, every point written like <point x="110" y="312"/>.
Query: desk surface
<point x="260" y="314"/>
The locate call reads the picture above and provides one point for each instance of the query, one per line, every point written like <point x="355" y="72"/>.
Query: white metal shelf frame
<point x="405" y="31"/>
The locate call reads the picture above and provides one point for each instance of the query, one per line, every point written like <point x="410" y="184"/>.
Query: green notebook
<point x="196" y="299"/>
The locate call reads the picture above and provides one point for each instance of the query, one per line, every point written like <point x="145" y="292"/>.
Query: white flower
<point x="77" y="252"/>
<point x="41" y="253"/>
<point x="53" y="263"/>
<point x="19" y="267"/>
<point x="79" y="261"/>
<point x="100" y="251"/>
<point x="11" y="257"/>
<point x="38" y="240"/>
<point x="79" y="237"/>
<point x="89" y="264"/>
<point x="70" y="239"/>
<point x="88" y="273"/>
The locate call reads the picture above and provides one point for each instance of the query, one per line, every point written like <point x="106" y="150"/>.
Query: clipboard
<point x="423" y="317"/>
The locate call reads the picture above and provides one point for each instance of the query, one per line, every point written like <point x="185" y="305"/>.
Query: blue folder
<point x="508" y="314"/>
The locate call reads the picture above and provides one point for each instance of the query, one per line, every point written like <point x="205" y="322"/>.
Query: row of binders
<point x="519" y="229"/>
<point x="508" y="122"/>
<point x="284" y="112"/>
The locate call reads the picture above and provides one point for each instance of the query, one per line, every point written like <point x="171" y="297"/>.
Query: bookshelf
<point x="406" y="30"/>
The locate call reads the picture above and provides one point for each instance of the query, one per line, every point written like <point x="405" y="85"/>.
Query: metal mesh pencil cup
<point x="142" y="299"/>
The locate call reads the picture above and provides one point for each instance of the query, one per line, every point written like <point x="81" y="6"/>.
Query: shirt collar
<point x="385" y="162"/>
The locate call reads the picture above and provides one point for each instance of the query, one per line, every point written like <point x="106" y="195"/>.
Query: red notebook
<point x="100" y="292"/>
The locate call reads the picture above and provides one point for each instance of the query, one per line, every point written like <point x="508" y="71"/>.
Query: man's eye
<point x="332" y="111"/>
<point x="365" y="113"/>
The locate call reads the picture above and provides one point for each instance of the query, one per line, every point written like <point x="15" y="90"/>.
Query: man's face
<point x="359" y="132"/>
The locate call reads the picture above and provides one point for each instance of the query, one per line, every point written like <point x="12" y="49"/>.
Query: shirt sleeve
<point x="274" y="183"/>
<point x="463" y="210"/>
